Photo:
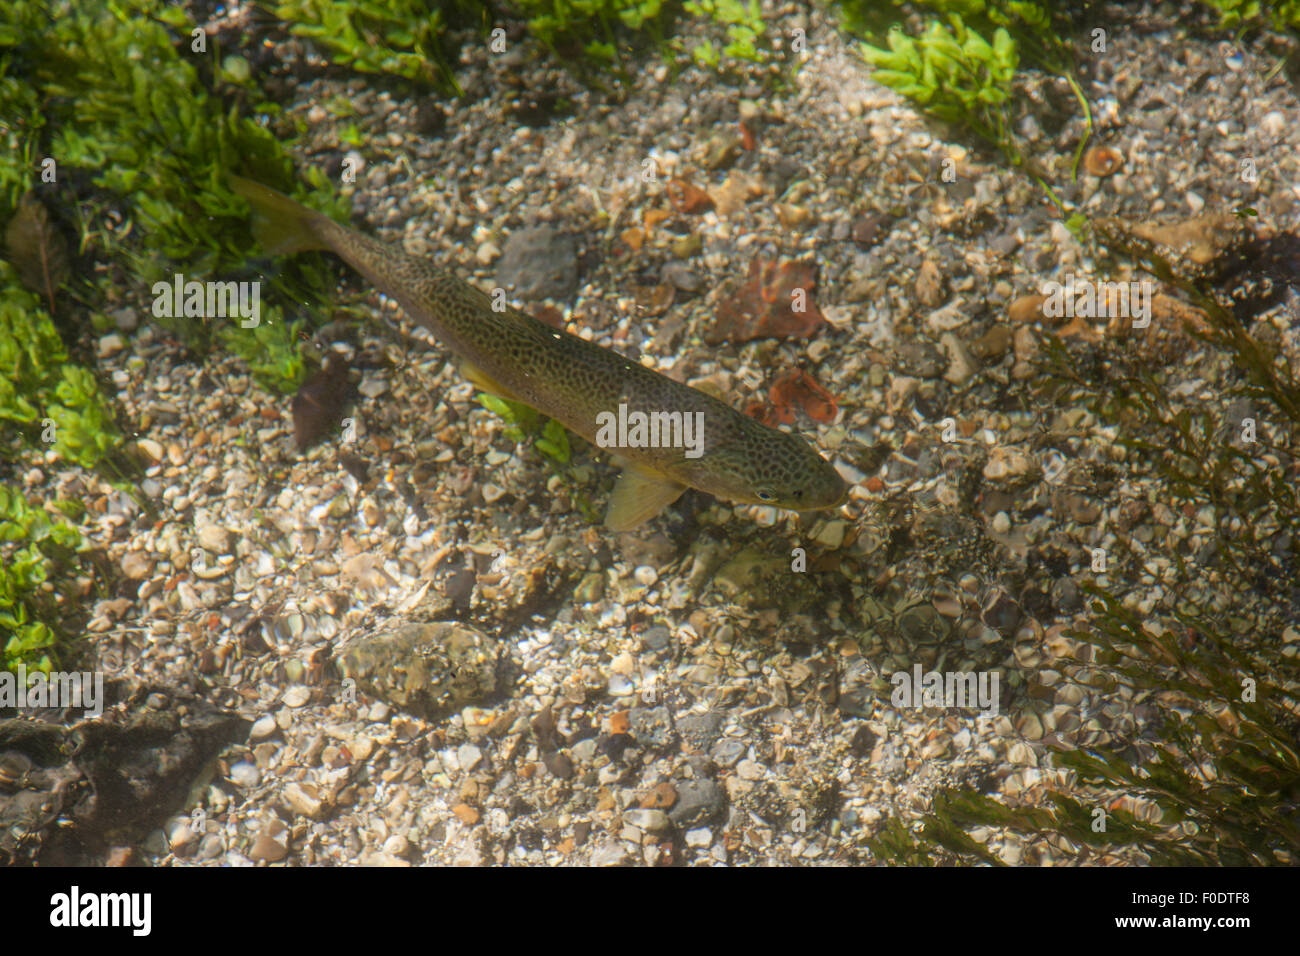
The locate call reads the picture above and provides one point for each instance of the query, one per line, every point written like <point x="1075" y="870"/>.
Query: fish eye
<point x="765" y="496"/>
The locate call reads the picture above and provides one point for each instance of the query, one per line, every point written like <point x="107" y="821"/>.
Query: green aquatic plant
<point x="744" y="26"/>
<point x="271" y="349"/>
<point x="404" y="38"/>
<point x="45" y="398"/>
<point x="1219" y="761"/>
<point x="36" y="552"/>
<point x="961" y="68"/>
<point x="1223" y="772"/>
<point x="126" y="124"/>
<point x="137" y="139"/>
<point x="600" y="33"/>
<point x="1245" y="14"/>
<point x="524" y="422"/>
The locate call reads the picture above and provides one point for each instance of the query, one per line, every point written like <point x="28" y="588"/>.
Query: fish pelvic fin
<point x="638" y="496"/>
<point x="487" y="383"/>
<point x="281" y="225"/>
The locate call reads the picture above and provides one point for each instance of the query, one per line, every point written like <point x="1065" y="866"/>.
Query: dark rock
<point x="539" y="263"/>
<point x="700" y="731"/>
<point x="558" y="764"/>
<point x="106" y="783"/>
<point x="655" y="638"/>
<point x="864" y="741"/>
<point x="679" y="275"/>
<point x="651" y="726"/>
<point x="1002" y="613"/>
<point x="698" y="802"/>
<point x="1065" y="594"/>
<point x="427" y="669"/>
<point x="920" y="359"/>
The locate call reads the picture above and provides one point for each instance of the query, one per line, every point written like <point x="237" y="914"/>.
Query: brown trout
<point x="699" y="441"/>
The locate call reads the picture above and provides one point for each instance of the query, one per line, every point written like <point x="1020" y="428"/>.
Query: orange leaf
<point x="775" y="301"/>
<point x="797" y="389"/>
<point x="687" y="198"/>
<point x="748" y="140"/>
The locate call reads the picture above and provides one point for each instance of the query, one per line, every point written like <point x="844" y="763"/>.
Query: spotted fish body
<point x="568" y="378"/>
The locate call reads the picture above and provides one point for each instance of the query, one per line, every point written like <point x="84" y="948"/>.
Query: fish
<point x="582" y="385"/>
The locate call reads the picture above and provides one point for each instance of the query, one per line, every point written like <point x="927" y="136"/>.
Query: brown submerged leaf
<point x="776" y="301"/>
<point x="794" y="391"/>
<point x="36" y="249"/>
<point x="319" y="404"/>
<point x="688" y="198"/>
<point x="797" y="389"/>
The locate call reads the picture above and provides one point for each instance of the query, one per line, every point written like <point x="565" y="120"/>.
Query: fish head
<point x="771" y="467"/>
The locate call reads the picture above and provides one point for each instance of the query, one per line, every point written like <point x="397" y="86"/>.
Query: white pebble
<point x="245" y="775"/>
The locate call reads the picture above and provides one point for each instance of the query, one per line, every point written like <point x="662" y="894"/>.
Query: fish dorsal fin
<point x="486" y="382"/>
<point x="639" y="495"/>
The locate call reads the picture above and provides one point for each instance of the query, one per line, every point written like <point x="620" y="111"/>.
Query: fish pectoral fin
<point x="638" y="496"/>
<point x="486" y="382"/>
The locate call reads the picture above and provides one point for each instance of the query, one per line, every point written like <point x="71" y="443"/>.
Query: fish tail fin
<point x="282" y="225"/>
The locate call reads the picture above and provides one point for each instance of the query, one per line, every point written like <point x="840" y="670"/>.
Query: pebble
<point x="297" y="695"/>
<point x="263" y="727"/>
<point x="655" y="638"/>
<point x="651" y="726"/>
<point x="151" y="448"/>
<point x="728" y="751"/>
<point x="126" y="320"/>
<point x="268" y="848"/>
<point x="211" y="847"/>
<point x="245" y="775"/>
<point x="180" y="834"/>
<point x="109" y="345"/>
<point x="699" y="837"/>
<point x="620" y="685"/>
<point x="468" y="756"/>
<point x="653" y="821"/>
<point x="1272" y="124"/>
<point x="214" y="538"/>
<point x="831" y="534"/>
<point x="305" y="800"/>
<point x="610" y="853"/>
<point x="397" y="846"/>
<point x="137" y="565"/>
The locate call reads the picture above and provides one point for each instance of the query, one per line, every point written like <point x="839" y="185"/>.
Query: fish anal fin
<point x="639" y="495"/>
